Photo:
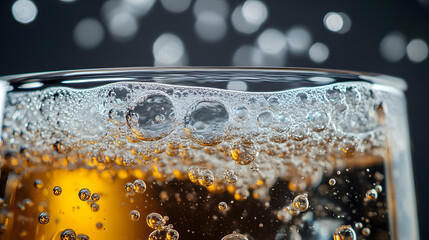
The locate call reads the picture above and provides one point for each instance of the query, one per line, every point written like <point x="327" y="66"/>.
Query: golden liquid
<point x="191" y="208"/>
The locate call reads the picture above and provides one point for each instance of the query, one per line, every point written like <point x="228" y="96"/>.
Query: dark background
<point x="47" y="44"/>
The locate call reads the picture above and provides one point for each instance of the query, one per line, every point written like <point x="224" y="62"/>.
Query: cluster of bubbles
<point x="138" y="186"/>
<point x="91" y="199"/>
<point x="161" y="231"/>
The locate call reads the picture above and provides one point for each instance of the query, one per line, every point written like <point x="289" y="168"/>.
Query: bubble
<point x="371" y="194"/>
<point x="172" y="234"/>
<point x="95" y="207"/>
<point x="38" y="183"/>
<point x="243" y="153"/>
<point x="82" y="237"/>
<point x="134" y="215"/>
<point x="99" y="225"/>
<point x="265" y="119"/>
<point x="318" y="120"/>
<point x="299" y="132"/>
<point x="254" y="166"/>
<point x="139" y="186"/>
<point x="235" y="236"/>
<point x="155" y="221"/>
<point x="222" y="206"/>
<point x="57" y="190"/>
<point x="206" y="177"/>
<point x="27" y="202"/>
<point x="378" y="188"/>
<point x="358" y="225"/>
<point x="84" y="194"/>
<point x="282" y="123"/>
<point x="158" y="235"/>
<point x="366" y="232"/>
<point x="205" y="122"/>
<point x="194" y="173"/>
<point x="44" y="218"/>
<point x="301" y="203"/>
<point x="240" y="112"/>
<point x="344" y="232"/>
<point x="129" y="187"/>
<point x="68" y="234"/>
<point x="95" y="197"/>
<point x="230" y="176"/>
<point x="292" y="210"/>
<point x="141" y="118"/>
<point x="241" y="194"/>
<point x="332" y="181"/>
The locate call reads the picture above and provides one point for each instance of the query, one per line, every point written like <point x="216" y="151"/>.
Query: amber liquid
<point x="192" y="209"/>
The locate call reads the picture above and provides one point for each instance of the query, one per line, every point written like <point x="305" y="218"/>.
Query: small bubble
<point x="318" y="120"/>
<point x="159" y="118"/>
<point x="243" y="153"/>
<point x="338" y="172"/>
<point x="44" y="218"/>
<point x="95" y="197"/>
<point x="27" y="202"/>
<point x="358" y="225"/>
<point x="366" y="232"/>
<point x="95" y="207"/>
<point x="155" y="220"/>
<point x="241" y="194"/>
<point x="261" y="225"/>
<point x="371" y="194"/>
<point x="57" y="191"/>
<point x="240" y="112"/>
<point x="292" y="210"/>
<point x="38" y="183"/>
<point x="129" y="187"/>
<point x="68" y="234"/>
<point x="265" y="119"/>
<point x="235" y="236"/>
<point x="82" y="237"/>
<point x="84" y="194"/>
<point x="230" y="176"/>
<point x="378" y="176"/>
<point x="139" y="186"/>
<point x="332" y="181"/>
<point x="301" y="203"/>
<point x="194" y="173"/>
<point x="222" y="206"/>
<point x="206" y="177"/>
<point x="158" y="235"/>
<point x="99" y="225"/>
<point x="344" y="232"/>
<point x="134" y="215"/>
<point x="378" y="188"/>
<point x="172" y="234"/>
<point x="254" y="166"/>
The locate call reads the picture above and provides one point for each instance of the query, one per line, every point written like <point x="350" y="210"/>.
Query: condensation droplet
<point x="134" y="215"/>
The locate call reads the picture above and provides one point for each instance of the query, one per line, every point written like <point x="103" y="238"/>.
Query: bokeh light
<point x="318" y="52"/>
<point x="123" y="26"/>
<point x="417" y="50"/>
<point x="240" y="24"/>
<point x="255" y="12"/>
<point x="210" y="26"/>
<point x="218" y="6"/>
<point x="169" y="50"/>
<point x="88" y="33"/>
<point x="68" y="1"/>
<point x="337" y="22"/>
<point x="24" y="11"/>
<point x="176" y="6"/>
<point x="299" y="39"/>
<point x="247" y="55"/>
<point x="272" y="41"/>
<point x="392" y="47"/>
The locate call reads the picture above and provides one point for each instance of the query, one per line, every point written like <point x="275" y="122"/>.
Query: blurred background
<point x="385" y="36"/>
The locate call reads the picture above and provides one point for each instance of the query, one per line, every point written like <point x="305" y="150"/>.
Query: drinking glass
<point x="205" y="153"/>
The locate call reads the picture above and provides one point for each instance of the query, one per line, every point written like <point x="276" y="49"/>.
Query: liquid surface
<point x="221" y="164"/>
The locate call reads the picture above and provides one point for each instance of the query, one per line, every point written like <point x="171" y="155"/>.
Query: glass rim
<point x="377" y="78"/>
